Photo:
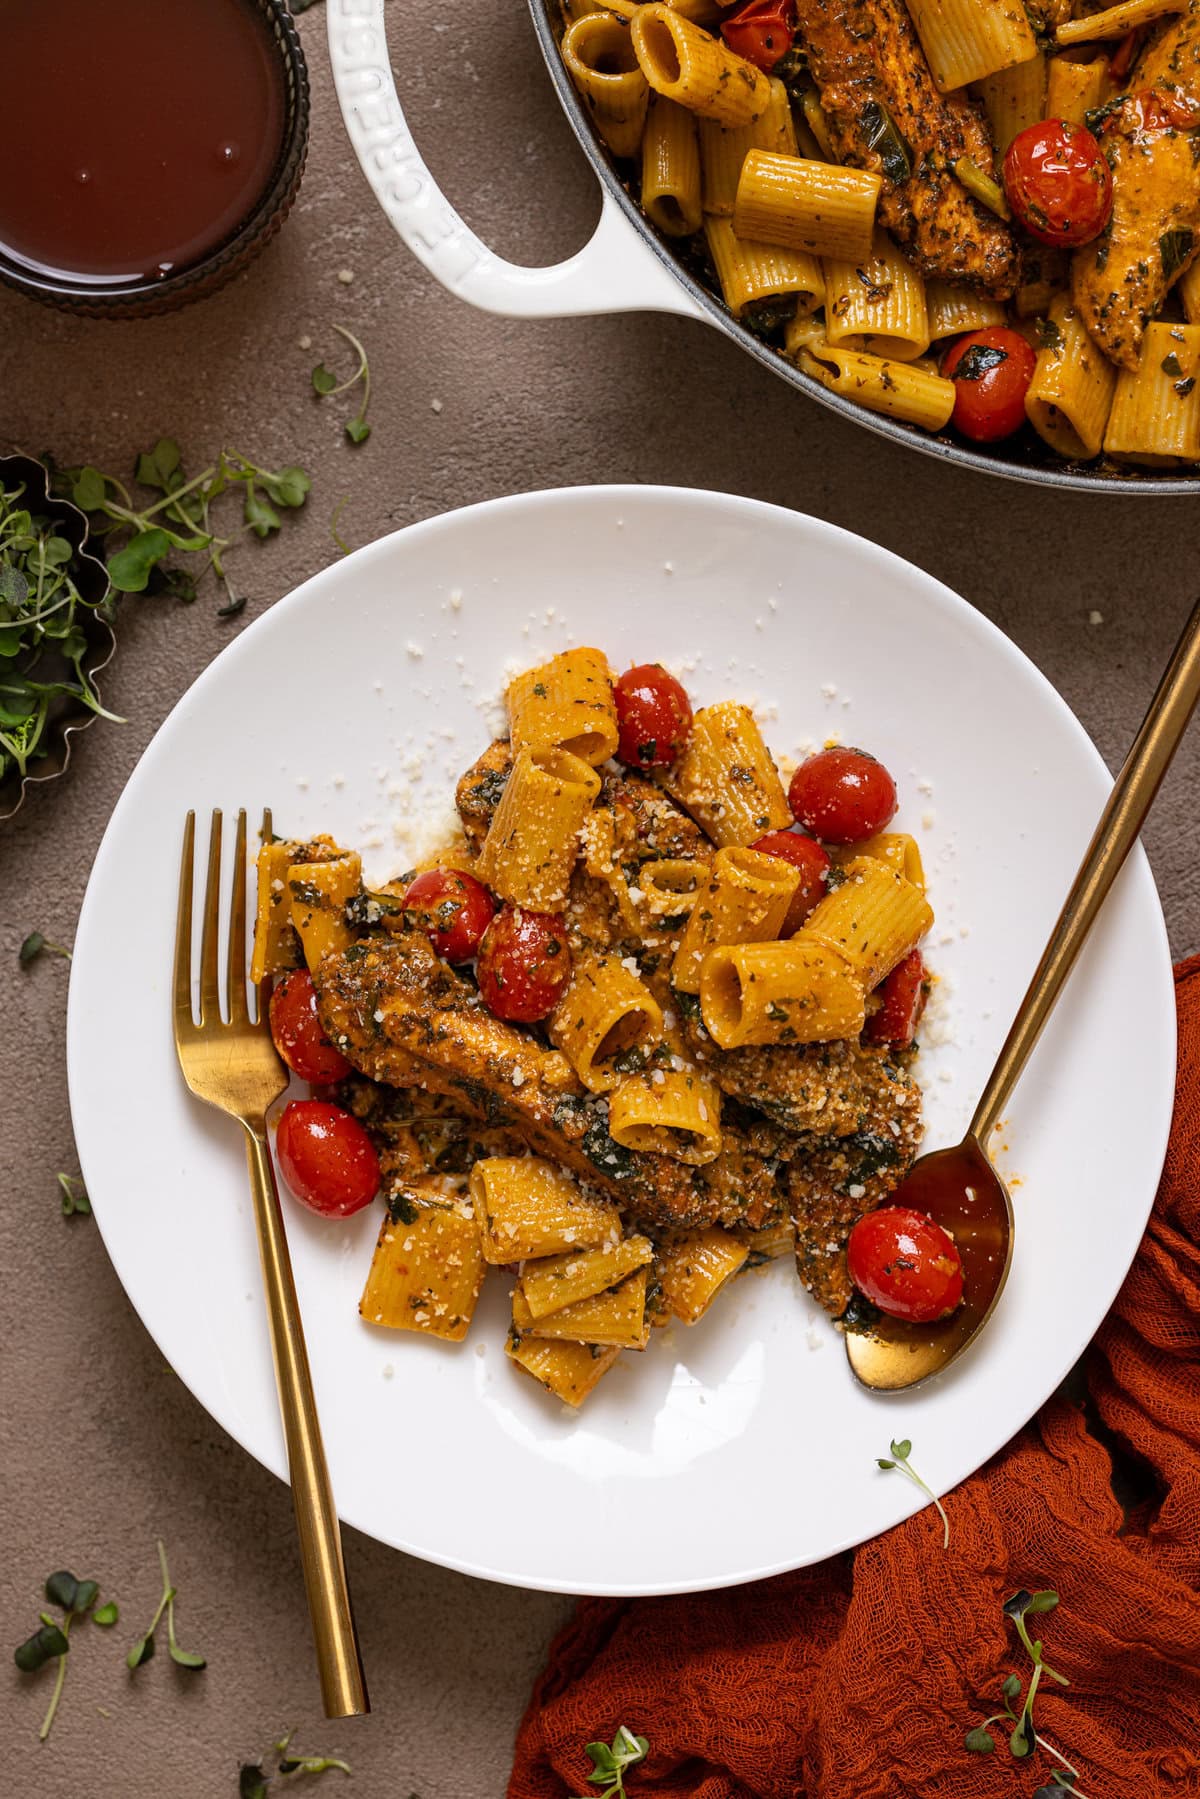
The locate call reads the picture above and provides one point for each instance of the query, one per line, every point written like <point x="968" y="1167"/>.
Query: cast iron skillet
<point x="626" y="266"/>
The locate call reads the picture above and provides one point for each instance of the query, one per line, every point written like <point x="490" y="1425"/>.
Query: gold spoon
<point x="958" y="1187"/>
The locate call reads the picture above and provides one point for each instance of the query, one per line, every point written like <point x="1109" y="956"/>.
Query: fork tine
<point x="184" y="1023"/>
<point x="239" y="1012"/>
<point x="262" y="992"/>
<point x="210" y="990"/>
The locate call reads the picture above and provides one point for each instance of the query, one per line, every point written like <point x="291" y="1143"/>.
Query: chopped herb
<point x="610" y="1760"/>
<point x="900" y="1454"/>
<point x="1049" y="337"/>
<point x="1171" y="364"/>
<point x="1175" y="246"/>
<point x="326" y="385"/>
<point x="1183" y="388"/>
<point x="980" y="185"/>
<point x="976" y="360"/>
<point x="884" y="138"/>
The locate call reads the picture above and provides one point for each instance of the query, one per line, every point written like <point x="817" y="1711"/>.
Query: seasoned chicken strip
<point x="867" y="61"/>
<point x="1119" y="282"/>
<point x="384" y="1002"/>
<point x="832" y="1184"/>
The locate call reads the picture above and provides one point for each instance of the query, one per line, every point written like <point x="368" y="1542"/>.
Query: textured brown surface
<point x="102" y="1448"/>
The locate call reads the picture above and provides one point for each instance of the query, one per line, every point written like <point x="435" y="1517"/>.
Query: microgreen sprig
<point x="326" y="385"/>
<point x="35" y="946"/>
<point x="51" y="1641"/>
<point x="143" y="1649"/>
<point x="1024" y="1738"/>
<point x="610" y="1760"/>
<point x="75" y="1201"/>
<point x="254" y="1782"/>
<point x="899" y="1460"/>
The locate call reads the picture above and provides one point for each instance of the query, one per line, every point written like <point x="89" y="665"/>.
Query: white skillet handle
<point x="615" y="272"/>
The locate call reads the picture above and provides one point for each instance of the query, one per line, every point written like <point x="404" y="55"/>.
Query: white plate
<point x="743" y="1446"/>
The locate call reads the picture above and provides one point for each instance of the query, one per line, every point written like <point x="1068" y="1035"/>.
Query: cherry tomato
<point x="524" y="964"/>
<point x="654" y="715"/>
<point x="453" y="909"/>
<point x="813" y="863"/>
<point x="902" y="999"/>
<point x="296" y="1030"/>
<point x="905" y="1264"/>
<point x="991" y="370"/>
<point x="761" y="31"/>
<point x="1166" y="111"/>
<point x="327" y="1158"/>
<point x="842" y="795"/>
<point x="1058" y="183"/>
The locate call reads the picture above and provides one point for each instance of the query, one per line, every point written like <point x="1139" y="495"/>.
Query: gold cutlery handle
<point x="343" y="1687"/>
<point x="1114" y="837"/>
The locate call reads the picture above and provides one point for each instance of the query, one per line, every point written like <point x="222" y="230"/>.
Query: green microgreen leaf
<point x="89" y="490"/>
<point x="252" y="1782"/>
<point x="235" y="604"/>
<point x="1011" y="1688"/>
<point x="73" y="1195"/>
<point x="106" y="1614"/>
<point x="1024" y="1739"/>
<point x="326" y="384"/>
<point x="324" y="381"/>
<point x="610" y="1760"/>
<point x="42" y="1647"/>
<point x="129" y="570"/>
<point x="36" y="945"/>
<point x="900" y="1454"/>
<point x="980" y="1741"/>
<point x="357" y="430"/>
<point x="161" y="466"/>
<point x="260" y="515"/>
<point x="72" y="1594"/>
<point x="1045" y="1601"/>
<point x="143" y="1650"/>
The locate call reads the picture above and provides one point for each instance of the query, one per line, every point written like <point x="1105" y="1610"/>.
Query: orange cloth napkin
<point x="859" y="1678"/>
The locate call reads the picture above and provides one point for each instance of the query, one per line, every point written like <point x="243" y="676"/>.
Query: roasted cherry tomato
<point x="453" y="909"/>
<point x="524" y="964"/>
<point x="1162" y="111"/>
<point x="813" y="863"/>
<point x="327" y="1158"/>
<point x="905" y="1264"/>
<point x="1058" y="183"/>
<point x="761" y="31"/>
<point x="297" y="1032"/>
<point x="842" y="795"/>
<point x="991" y="370"/>
<point x="902" y="998"/>
<point x="654" y="715"/>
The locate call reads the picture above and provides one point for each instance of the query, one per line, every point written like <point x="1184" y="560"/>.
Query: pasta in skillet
<point x="648" y="1022"/>
<point x="973" y="214"/>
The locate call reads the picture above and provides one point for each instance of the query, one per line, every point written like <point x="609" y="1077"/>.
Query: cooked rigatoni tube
<point x="751" y="273"/>
<point x="877" y="305"/>
<point x="668" y="1112"/>
<point x="599" y="57"/>
<point x="562" y="1280"/>
<point x="1155" y="417"/>
<point x="525" y="1206"/>
<point x="801" y="991"/>
<point x="671" y="169"/>
<point x="1070" y="397"/>
<point x="724" y="148"/>
<point x="1015" y="98"/>
<point x="726" y="778"/>
<point x="1189" y="292"/>
<point x="896" y="848"/>
<point x="952" y="309"/>
<point x="1074" y="89"/>
<point x="669" y="888"/>
<point x="692" y="1268"/>
<point x="319" y="893"/>
<point x="874" y="917"/>
<point x="533" y="840"/>
<point x="605" y="1012"/>
<point x="899" y="389"/>
<point x="806" y="205"/>
<point x="616" y="1318"/>
<point x="966" y="40"/>
<point x="425" y="1274"/>
<point x="686" y="64"/>
<point x="568" y="1370"/>
<point x="746" y="901"/>
<point x="1116" y="21"/>
<point x="565" y="704"/>
<point x="276" y="946"/>
<point x="579" y="9"/>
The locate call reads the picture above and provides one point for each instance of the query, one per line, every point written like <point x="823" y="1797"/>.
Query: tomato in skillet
<point x="524" y="964"/>
<point x="842" y="795"/>
<point x="1058" y="183"/>
<point x="905" y="1264"/>
<point x="991" y="370"/>
<point x="1166" y="111"/>
<point x="452" y="908"/>
<point x="327" y="1158"/>
<point x="902" y="999"/>
<point x="812" y="861"/>
<point x="761" y="31"/>
<point x="296" y="1030"/>
<point x="654" y="716"/>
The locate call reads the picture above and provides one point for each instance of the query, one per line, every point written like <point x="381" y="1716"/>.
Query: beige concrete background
<point x="103" y="1449"/>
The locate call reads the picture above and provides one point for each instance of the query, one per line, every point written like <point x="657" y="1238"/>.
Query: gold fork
<point x="235" y="1068"/>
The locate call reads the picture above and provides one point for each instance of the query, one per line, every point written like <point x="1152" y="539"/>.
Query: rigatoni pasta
<point x="600" y="60"/>
<point x="531" y="847"/>
<point x="746" y="900"/>
<point x="801" y="991"/>
<point x="671" y="169"/>
<point x="565" y="704"/>
<point x="667" y="1111"/>
<point x="727" y="779"/>
<point x="682" y="62"/>
<point x="1071" y="394"/>
<point x="751" y="274"/>
<point x="1155" y="416"/>
<point x="805" y="205"/>
<point x="606" y="1012"/>
<point x="966" y="40"/>
<point x="877" y="304"/>
<point x="874" y="917"/>
<point x="879" y="383"/>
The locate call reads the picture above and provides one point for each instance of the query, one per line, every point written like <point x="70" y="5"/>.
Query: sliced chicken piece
<point x="1152" y="141"/>
<point x="869" y="67"/>
<point x="478" y="792"/>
